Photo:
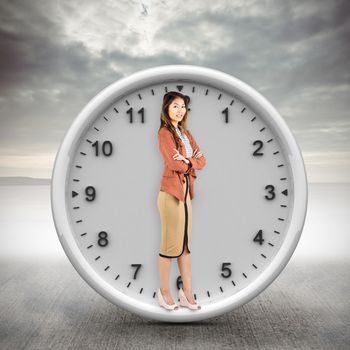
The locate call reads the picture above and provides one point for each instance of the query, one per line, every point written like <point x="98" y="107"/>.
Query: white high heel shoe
<point x="184" y="302"/>
<point x="162" y="302"/>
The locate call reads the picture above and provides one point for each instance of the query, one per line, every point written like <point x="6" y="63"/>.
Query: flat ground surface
<point x="46" y="305"/>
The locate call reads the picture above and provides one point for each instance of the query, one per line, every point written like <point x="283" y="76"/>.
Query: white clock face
<point x="250" y="199"/>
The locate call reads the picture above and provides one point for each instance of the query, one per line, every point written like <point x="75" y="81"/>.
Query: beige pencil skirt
<point x="176" y="222"/>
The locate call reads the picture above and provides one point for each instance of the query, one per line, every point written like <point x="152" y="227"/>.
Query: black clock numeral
<point x="129" y="111"/>
<point x="178" y="282"/>
<point x="91" y="193"/>
<point x="102" y="241"/>
<point x="259" y="237"/>
<point x="225" y="112"/>
<point x="260" y="145"/>
<point x="226" y="269"/>
<point x="141" y="111"/>
<point x="138" y="266"/>
<point x="271" y="190"/>
<point x="107" y="148"/>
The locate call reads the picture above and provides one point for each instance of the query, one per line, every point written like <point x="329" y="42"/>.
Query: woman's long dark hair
<point x="165" y="120"/>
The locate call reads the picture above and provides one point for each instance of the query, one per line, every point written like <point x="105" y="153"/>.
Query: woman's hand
<point x="198" y="155"/>
<point x="178" y="156"/>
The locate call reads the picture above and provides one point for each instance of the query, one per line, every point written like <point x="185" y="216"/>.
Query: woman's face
<point x="177" y="109"/>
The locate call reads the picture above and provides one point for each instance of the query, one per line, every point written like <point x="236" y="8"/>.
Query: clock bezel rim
<point x="148" y="77"/>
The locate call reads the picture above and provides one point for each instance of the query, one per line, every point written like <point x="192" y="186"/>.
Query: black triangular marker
<point x="74" y="194"/>
<point x="285" y="192"/>
<point x="179" y="87"/>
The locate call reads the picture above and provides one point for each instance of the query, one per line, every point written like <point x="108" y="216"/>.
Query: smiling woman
<point x="174" y="198"/>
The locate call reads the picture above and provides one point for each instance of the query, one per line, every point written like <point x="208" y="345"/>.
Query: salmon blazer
<point x="174" y="170"/>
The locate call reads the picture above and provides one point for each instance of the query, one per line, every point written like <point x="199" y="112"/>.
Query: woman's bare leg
<point x="164" y="270"/>
<point x="184" y="263"/>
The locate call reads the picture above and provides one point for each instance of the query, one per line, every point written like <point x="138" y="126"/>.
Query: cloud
<point x="57" y="55"/>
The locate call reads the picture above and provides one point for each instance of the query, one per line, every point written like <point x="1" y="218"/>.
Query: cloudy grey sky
<point x="56" y="55"/>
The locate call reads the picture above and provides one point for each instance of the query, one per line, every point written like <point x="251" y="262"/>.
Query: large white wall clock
<point x="250" y="199"/>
